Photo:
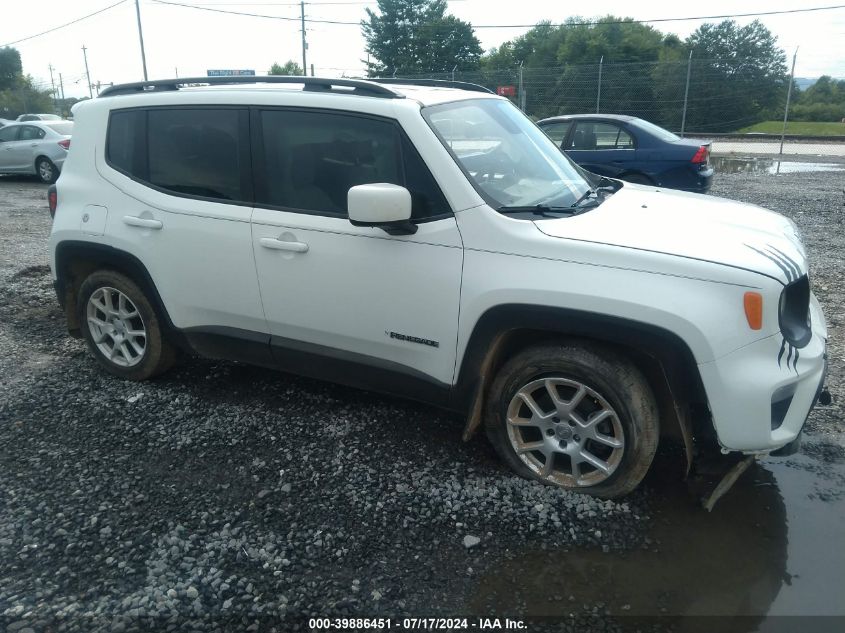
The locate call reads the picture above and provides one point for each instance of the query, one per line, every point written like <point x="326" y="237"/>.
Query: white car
<point x="39" y="117"/>
<point x="35" y="147"/>
<point x="430" y="241"/>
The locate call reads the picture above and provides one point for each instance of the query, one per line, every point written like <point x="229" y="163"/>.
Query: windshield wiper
<point x="607" y="191"/>
<point x="587" y="194"/>
<point x="543" y="210"/>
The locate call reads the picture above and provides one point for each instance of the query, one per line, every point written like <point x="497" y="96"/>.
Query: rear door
<point x="182" y="205"/>
<point x="601" y="147"/>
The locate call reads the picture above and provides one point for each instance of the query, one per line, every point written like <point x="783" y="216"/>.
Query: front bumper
<point x="759" y="396"/>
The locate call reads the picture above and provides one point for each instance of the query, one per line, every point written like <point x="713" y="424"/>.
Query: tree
<point x="416" y="37"/>
<point x="10" y="67"/>
<point x="561" y="64"/>
<point x="738" y="76"/>
<point x="823" y="101"/>
<point x="290" y="67"/>
<point x="18" y="93"/>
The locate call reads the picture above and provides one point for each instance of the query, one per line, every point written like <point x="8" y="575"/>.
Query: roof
<point x="425" y="91"/>
<point x="611" y="117"/>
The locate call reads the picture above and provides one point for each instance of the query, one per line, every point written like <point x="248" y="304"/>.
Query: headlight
<point x="794" y="312"/>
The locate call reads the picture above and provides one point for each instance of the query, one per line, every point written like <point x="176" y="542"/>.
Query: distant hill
<point x="805" y="82"/>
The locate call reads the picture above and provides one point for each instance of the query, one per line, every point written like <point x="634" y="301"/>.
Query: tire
<point x="637" y="179"/>
<point x="121" y="327"/>
<point x="610" y="400"/>
<point x="46" y="171"/>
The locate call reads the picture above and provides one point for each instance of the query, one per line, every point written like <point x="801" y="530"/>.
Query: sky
<point x="187" y="42"/>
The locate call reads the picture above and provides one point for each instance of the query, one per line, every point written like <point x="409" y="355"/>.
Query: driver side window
<point x="311" y="159"/>
<point x="557" y="131"/>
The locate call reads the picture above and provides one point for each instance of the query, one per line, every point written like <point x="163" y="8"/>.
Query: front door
<point x="353" y="304"/>
<point x="9" y="150"/>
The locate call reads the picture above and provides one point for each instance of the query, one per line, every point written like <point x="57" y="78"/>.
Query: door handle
<point x="282" y="245"/>
<point x="33" y="144"/>
<point x="144" y="223"/>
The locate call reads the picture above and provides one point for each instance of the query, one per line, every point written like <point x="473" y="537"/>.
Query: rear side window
<point x="125" y="144"/>
<point x="31" y="133"/>
<point x="196" y="152"/>
<point x="311" y="159"/>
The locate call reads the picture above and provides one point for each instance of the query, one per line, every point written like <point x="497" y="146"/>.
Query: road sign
<point x="229" y="72"/>
<point x="506" y="91"/>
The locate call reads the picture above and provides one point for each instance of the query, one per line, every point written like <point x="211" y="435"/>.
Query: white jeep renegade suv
<point x="430" y="241"/>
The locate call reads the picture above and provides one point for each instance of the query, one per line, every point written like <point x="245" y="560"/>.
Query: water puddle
<point x="773" y="546"/>
<point x="727" y="165"/>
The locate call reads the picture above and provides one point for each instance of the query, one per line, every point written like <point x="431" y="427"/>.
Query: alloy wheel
<point x="116" y="327"/>
<point x="45" y="171"/>
<point x="565" y="432"/>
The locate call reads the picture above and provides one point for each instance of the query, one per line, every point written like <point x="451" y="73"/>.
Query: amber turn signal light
<point x="753" y="302"/>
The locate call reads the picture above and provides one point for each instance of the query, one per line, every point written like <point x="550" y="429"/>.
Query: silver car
<point x="39" y="117"/>
<point x="35" y="147"/>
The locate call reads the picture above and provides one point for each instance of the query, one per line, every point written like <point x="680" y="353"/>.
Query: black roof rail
<point x="434" y="83"/>
<point x="316" y="84"/>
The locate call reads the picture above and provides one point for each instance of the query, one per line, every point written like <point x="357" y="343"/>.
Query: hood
<point x="690" y="225"/>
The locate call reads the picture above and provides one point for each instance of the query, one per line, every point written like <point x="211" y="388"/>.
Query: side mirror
<point x="381" y="205"/>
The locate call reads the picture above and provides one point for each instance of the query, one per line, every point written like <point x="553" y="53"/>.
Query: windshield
<point x="61" y="127"/>
<point x="510" y="160"/>
<point x="658" y="131"/>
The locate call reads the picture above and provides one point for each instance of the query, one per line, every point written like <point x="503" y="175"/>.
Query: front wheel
<point x="121" y="327"/>
<point x="46" y="171"/>
<point x="575" y="415"/>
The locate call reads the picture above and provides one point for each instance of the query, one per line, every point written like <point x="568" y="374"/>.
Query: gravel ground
<point x="227" y="497"/>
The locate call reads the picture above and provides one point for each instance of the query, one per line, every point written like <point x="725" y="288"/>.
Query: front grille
<point x="794" y="312"/>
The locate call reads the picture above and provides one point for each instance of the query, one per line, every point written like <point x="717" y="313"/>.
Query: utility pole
<point x="62" y="86"/>
<point x="598" y="92"/>
<point x="788" y="96"/>
<point x="52" y="83"/>
<point x="87" y="74"/>
<point x="141" y="38"/>
<point x="304" y="44"/>
<point x="686" y="94"/>
<point x="520" y="101"/>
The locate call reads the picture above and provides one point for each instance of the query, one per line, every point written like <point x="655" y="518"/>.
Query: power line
<point x="515" y="26"/>
<point x="476" y="26"/>
<point x="56" y="28"/>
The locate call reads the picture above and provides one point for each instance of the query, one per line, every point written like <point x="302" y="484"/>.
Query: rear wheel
<point x="46" y="171"/>
<point x="121" y="327"/>
<point x="575" y="415"/>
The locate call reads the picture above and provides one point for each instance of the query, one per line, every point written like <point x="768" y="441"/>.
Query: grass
<point x="806" y="128"/>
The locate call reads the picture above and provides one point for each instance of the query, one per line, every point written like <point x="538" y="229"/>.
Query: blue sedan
<point x="632" y="149"/>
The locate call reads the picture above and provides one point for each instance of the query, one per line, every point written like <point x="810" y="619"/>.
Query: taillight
<point x="52" y="200"/>
<point x="65" y="143"/>
<point x="700" y="157"/>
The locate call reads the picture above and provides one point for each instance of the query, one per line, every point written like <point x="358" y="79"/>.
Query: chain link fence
<point x="697" y="98"/>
